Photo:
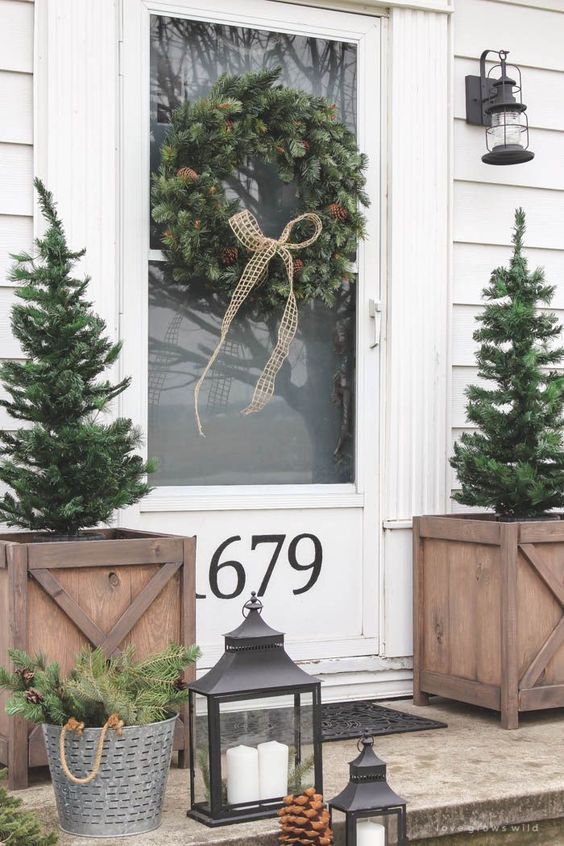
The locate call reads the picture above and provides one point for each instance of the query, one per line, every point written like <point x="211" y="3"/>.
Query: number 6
<point x="215" y="567"/>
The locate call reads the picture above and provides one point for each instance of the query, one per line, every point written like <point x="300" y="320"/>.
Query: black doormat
<point x="347" y="720"/>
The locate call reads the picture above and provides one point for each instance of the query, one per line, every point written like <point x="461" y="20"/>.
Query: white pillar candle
<point x="273" y="769"/>
<point x="370" y="833"/>
<point x="242" y="774"/>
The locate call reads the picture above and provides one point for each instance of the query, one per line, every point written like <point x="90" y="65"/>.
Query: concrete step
<point x="469" y="777"/>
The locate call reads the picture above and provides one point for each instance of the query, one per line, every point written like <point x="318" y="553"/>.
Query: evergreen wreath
<point x="211" y="139"/>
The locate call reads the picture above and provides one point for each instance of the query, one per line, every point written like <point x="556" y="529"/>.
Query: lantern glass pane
<point x="377" y="830"/>
<point x="507" y="129"/>
<point x="338" y="824"/>
<point x="266" y="747"/>
<point x="359" y="829"/>
<point x="201" y="752"/>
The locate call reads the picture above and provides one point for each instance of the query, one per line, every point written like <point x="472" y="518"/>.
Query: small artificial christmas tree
<point x="20" y="828"/>
<point x="69" y="470"/>
<point x="514" y="463"/>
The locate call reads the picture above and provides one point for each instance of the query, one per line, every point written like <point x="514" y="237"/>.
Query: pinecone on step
<point x="338" y="211"/>
<point x="304" y="820"/>
<point x="187" y="175"/>
<point x="229" y="256"/>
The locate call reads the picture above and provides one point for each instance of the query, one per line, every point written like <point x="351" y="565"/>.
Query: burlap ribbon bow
<point x="248" y="232"/>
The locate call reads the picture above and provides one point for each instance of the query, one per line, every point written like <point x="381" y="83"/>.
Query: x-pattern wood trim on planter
<point x="489" y="612"/>
<point x="555" y="640"/>
<point x="109" y="641"/>
<point x="133" y="587"/>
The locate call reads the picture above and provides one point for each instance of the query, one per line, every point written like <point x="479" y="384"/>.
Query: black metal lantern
<point x="371" y="814"/>
<point x="255" y="725"/>
<point x="494" y="100"/>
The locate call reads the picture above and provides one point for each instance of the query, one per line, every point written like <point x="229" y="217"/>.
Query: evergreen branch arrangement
<point x="252" y="117"/>
<point x="138" y="692"/>
<point x="68" y="470"/>
<point x="20" y="828"/>
<point x="514" y="462"/>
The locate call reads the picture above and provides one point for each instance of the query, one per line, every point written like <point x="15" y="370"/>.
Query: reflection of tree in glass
<point x="248" y="356"/>
<point x="187" y="57"/>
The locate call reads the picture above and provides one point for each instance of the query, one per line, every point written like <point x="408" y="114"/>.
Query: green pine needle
<point x="514" y="461"/>
<point x="138" y="692"/>
<point x="70" y="469"/>
<point x="18" y="827"/>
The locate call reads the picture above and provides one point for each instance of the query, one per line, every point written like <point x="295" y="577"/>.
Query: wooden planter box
<point x="489" y="613"/>
<point x="130" y="588"/>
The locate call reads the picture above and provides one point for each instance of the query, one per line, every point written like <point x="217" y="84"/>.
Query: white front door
<point x="284" y="502"/>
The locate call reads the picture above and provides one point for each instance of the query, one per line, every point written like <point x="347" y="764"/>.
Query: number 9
<point x="314" y="566"/>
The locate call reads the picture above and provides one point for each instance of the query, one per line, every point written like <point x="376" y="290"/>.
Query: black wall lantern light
<point x="368" y="812"/>
<point x="255" y="727"/>
<point x="494" y="100"/>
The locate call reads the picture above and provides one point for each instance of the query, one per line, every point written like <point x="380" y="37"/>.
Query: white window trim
<point x="368" y="7"/>
<point x="350" y="27"/>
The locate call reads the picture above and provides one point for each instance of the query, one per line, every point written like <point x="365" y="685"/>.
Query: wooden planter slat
<point x="117" y="553"/>
<point x="130" y="588"/>
<point x="489" y="613"/>
<point x="550" y="532"/>
<point x="470" y="531"/>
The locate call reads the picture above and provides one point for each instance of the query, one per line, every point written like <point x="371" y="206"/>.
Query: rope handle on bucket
<point x="113" y="722"/>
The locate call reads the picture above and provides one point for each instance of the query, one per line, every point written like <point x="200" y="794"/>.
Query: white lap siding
<point x="486" y="196"/>
<point x="16" y="155"/>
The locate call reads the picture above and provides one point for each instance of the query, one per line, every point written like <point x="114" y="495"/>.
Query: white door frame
<point x="366" y="33"/>
<point x="78" y="136"/>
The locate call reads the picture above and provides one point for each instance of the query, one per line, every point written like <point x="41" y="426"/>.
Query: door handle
<point x="375" y="314"/>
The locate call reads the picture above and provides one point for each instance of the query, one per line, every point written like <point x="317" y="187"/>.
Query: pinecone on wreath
<point x="229" y="256"/>
<point x="298" y="267"/>
<point x="229" y="124"/>
<point x="187" y="175"/>
<point x="338" y="211"/>
<point x="304" y="820"/>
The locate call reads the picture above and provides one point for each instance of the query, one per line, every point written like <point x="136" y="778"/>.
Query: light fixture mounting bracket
<point x="479" y="90"/>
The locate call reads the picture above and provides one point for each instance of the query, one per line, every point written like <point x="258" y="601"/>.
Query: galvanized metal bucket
<point x="126" y="797"/>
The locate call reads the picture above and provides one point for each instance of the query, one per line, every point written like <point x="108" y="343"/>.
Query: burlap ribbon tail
<point x="248" y="233"/>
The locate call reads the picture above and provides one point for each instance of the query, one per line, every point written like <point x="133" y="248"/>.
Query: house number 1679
<point x="305" y="555"/>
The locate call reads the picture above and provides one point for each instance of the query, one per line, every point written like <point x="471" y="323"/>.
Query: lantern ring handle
<point x="364" y="741"/>
<point x="253" y="604"/>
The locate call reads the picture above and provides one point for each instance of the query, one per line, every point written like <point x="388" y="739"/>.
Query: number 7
<point x="279" y="541"/>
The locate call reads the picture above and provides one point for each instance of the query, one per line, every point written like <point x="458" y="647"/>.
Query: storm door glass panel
<point x="306" y="434"/>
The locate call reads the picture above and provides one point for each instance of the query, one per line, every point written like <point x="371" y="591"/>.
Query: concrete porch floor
<point x="471" y="776"/>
